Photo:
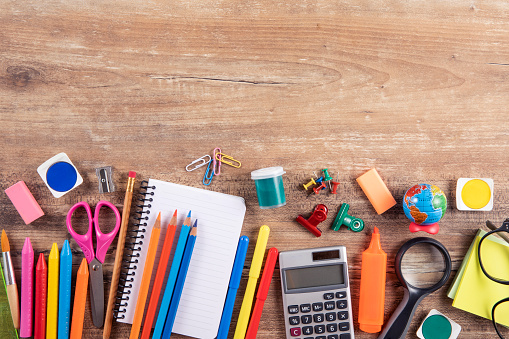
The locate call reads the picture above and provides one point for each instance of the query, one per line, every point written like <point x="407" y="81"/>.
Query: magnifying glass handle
<point x="397" y="326"/>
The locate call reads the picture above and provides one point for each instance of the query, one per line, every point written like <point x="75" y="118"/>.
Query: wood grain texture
<point x="416" y="89"/>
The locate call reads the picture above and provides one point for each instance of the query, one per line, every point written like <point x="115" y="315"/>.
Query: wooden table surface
<point x="415" y="89"/>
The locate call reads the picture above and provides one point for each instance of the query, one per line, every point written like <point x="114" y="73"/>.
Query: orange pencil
<point x="145" y="280"/>
<point x="80" y="299"/>
<point x="158" y="282"/>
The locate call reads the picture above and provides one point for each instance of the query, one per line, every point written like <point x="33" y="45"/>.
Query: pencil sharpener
<point x="105" y="177"/>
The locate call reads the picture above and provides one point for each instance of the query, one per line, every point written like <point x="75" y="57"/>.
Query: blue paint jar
<point x="269" y="187"/>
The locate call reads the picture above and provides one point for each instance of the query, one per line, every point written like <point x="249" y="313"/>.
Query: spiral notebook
<point x="220" y="218"/>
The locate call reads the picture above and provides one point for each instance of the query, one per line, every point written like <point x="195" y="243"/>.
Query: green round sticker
<point x="436" y="327"/>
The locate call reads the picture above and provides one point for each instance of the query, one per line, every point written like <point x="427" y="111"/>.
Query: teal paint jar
<point x="269" y="187"/>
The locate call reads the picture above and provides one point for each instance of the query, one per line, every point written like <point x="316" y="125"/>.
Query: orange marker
<point x="372" y="295"/>
<point x="80" y="299"/>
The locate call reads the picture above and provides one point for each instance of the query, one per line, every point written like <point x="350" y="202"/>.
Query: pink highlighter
<point x="27" y="284"/>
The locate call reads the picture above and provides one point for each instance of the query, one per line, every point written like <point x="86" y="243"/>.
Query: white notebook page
<point x="220" y="217"/>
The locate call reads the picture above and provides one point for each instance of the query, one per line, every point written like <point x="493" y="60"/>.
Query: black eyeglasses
<point x="504" y="228"/>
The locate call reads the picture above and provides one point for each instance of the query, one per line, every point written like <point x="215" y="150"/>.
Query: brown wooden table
<point x="416" y="89"/>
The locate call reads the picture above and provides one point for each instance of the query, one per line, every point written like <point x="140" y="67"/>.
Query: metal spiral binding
<point x="133" y="243"/>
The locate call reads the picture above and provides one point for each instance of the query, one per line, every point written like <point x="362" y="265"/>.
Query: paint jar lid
<point x="436" y="327"/>
<point x="268" y="172"/>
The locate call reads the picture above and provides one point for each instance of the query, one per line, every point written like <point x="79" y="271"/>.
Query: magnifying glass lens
<point x="423" y="265"/>
<point x="495" y="257"/>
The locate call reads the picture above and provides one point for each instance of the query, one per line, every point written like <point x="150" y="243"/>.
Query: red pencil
<point x="158" y="282"/>
<point x="263" y="290"/>
<point x="41" y="292"/>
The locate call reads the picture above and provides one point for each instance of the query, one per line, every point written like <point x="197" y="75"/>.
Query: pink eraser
<point x="24" y="202"/>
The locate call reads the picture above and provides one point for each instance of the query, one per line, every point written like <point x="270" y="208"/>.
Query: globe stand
<point x="431" y="229"/>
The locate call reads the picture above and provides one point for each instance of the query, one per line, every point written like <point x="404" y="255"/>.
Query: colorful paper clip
<point x="199" y="163"/>
<point x="214" y="161"/>
<point x="207" y="180"/>
<point x="221" y="157"/>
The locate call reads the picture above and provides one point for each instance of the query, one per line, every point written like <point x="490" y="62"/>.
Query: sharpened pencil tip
<point x="195" y="223"/>
<point x="189" y="214"/>
<point x="5" y="242"/>
<point x="175" y="213"/>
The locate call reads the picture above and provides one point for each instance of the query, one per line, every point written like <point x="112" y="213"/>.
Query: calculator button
<point x="307" y="330"/>
<point x="318" y="318"/>
<point x="306" y="319"/>
<point x="331" y="316"/>
<point x="332" y="336"/>
<point x="294" y="320"/>
<point x="295" y="332"/>
<point x="332" y="328"/>
<point x="340" y="295"/>
<point x="344" y="336"/>
<point x="293" y="309"/>
<point x="319" y="329"/>
<point x="329" y="305"/>
<point x="343" y="315"/>
<point x="328" y="296"/>
<point x="344" y="326"/>
<point x="305" y="308"/>
<point x="318" y="307"/>
<point x="341" y="304"/>
<point x="321" y="337"/>
<point x="308" y="338"/>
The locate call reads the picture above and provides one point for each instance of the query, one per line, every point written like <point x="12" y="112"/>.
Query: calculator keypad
<point x="326" y="320"/>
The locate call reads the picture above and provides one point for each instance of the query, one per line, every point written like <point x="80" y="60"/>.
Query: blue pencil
<point x="64" y="293"/>
<point x="179" y="285"/>
<point x="238" y="265"/>
<point x="172" y="278"/>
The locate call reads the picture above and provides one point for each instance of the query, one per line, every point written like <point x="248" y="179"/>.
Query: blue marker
<point x="172" y="278"/>
<point x="238" y="265"/>
<point x="64" y="297"/>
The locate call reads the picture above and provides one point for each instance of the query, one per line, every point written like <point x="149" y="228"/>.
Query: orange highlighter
<point x="372" y="295"/>
<point x="263" y="290"/>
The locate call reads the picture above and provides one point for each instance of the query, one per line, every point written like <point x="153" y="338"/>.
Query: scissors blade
<point x="97" y="292"/>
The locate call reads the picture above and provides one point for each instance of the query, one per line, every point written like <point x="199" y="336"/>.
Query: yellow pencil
<point x="52" y="313"/>
<point x="145" y="280"/>
<point x="254" y="273"/>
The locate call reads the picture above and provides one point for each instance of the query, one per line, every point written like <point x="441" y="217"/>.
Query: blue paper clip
<point x="206" y="177"/>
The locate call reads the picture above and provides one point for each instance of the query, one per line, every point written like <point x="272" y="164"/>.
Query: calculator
<point x="316" y="293"/>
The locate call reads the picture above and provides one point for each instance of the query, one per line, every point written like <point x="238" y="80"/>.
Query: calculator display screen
<point x="314" y="276"/>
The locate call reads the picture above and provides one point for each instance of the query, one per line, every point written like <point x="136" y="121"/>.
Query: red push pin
<point x="317" y="189"/>
<point x="334" y="187"/>
<point x="319" y="215"/>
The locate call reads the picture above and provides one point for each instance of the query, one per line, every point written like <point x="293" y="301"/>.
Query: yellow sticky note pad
<point x="474" y="194"/>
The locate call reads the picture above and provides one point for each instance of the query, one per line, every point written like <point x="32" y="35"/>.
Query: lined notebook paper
<point x="220" y="217"/>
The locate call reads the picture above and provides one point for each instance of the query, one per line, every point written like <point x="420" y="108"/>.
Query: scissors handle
<point x="84" y="240"/>
<point x="104" y="240"/>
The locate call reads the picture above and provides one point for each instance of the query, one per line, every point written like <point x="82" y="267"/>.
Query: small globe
<point x="424" y="204"/>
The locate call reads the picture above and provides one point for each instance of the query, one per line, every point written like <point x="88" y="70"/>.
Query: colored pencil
<point x="254" y="273"/>
<point x="10" y="280"/>
<point x="64" y="291"/>
<point x="145" y="280"/>
<point x="172" y="278"/>
<point x="119" y="254"/>
<point x="233" y="286"/>
<point x="80" y="299"/>
<point x="261" y="295"/>
<point x="158" y="282"/>
<point x="27" y="286"/>
<point x="181" y="278"/>
<point x="52" y="312"/>
<point x="41" y="294"/>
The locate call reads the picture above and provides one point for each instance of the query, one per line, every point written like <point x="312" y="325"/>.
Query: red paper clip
<point x="319" y="215"/>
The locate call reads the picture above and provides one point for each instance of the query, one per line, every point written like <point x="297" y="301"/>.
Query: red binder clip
<point x="319" y="215"/>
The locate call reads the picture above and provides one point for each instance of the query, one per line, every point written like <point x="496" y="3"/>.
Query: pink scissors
<point x="95" y="260"/>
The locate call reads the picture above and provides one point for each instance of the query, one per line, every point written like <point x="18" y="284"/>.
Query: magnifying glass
<point x="425" y="269"/>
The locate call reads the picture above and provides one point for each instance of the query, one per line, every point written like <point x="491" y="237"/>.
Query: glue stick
<point x="372" y="294"/>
